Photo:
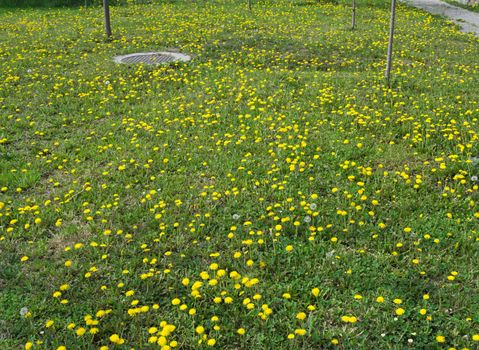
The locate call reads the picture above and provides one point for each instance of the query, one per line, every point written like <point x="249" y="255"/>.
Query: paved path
<point x="467" y="20"/>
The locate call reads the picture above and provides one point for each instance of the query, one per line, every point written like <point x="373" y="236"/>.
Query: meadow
<point x="272" y="193"/>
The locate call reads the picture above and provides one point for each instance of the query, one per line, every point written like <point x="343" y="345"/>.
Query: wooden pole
<point x="106" y="10"/>
<point x="353" y="21"/>
<point x="391" y="38"/>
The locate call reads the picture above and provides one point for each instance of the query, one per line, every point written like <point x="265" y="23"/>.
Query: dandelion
<point x="349" y="319"/>
<point x="440" y="339"/>
<point x="300" y="331"/>
<point x="301" y="316"/>
<point x="115" y="338"/>
<point x="23" y="311"/>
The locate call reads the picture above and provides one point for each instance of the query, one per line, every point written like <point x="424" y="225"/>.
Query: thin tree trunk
<point x="249" y="5"/>
<point x="391" y="38"/>
<point x="106" y="9"/>
<point x="353" y="21"/>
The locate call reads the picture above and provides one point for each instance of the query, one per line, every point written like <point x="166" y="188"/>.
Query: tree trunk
<point x="249" y="5"/>
<point x="353" y="21"/>
<point x="106" y="10"/>
<point x="391" y="38"/>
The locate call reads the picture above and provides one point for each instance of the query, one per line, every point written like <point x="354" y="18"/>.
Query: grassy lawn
<point x="474" y="7"/>
<point x="273" y="193"/>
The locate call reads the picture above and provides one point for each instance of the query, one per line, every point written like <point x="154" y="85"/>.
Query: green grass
<point x="474" y="7"/>
<point x="276" y="163"/>
<point x="64" y="3"/>
<point x="42" y="3"/>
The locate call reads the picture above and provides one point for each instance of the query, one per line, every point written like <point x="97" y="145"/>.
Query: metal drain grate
<point x="152" y="58"/>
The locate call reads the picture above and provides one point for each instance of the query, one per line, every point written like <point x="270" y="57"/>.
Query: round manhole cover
<point x="152" y="58"/>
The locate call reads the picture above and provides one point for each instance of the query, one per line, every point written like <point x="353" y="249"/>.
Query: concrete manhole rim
<point x="175" y="57"/>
